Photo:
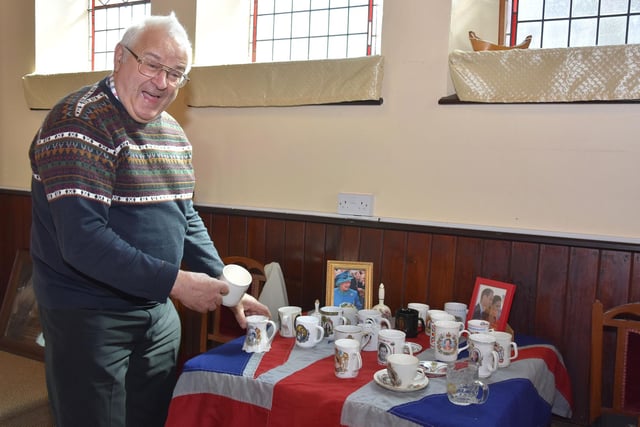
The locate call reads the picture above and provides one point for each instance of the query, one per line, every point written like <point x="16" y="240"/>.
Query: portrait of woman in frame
<point x="349" y="284"/>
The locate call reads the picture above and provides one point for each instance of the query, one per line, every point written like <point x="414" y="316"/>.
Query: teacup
<point x="258" y="339"/>
<point x="391" y="341"/>
<point x="506" y="348"/>
<point x="403" y="370"/>
<point x="422" y="312"/>
<point x="287" y="316"/>
<point x="482" y="350"/>
<point x="355" y="332"/>
<point x="458" y="309"/>
<point x="238" y="279"/>
<point x="478" y="326"/>
<point x="408" y="320"/>
<point x="463" y="385"/>
<point x="331" y="316"/>
<point x="372" y="322"/>
<point x="347" y="358"/>
<point x="447" y="339"/>
<point x="434" y="316"/>
<point x="308" y="331"/>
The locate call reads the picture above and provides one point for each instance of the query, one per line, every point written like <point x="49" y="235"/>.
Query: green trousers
<point x="111" y="368"/>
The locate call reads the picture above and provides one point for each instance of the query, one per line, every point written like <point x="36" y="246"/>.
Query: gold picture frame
<point x="20" y="330"/>
<point x="354" y="271"/>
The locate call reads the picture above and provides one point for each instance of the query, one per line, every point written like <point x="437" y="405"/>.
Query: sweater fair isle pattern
<point x="113" y="215"/>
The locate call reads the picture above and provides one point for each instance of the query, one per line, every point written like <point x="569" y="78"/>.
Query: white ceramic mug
<point x="351" y="314"/>
<point x="403" y="370"/>
<point x="482" y="350"/>
<point x="260" y="333"/>
<point x="463" y="385"/>
<point x="447" y="340"/>
<point x="434" y="316"/>
<point x="458" y="309"/>
<point x="331" y="316"/>
<point x="391" y="341"/>
<point x="287" y="316"/>
<point x="478" y="326"/>
<point x="422" y="310"/>
<point x="372" y="322"/>
<point x="309" y="332"/>
<point x="238" y="279"/>
<point x="354" y="332"/>
<point x="506" y="348"/>
<point x="347" y="358"/>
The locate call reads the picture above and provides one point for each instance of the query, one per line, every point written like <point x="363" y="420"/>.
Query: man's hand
<point x="248" y="306"/>
<point x="199" y="291"/>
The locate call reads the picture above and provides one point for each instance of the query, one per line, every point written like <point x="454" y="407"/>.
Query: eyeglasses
<point x="152" y="69"/>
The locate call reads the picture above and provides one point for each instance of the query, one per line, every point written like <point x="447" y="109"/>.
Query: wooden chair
<point x="479" y="44"/>
<point x="220" y="325"/>
<point x="615" y="339"/>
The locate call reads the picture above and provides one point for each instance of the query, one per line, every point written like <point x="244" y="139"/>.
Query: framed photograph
<point x="491" y="301"/>
<point x="349" y="284"/>
<point x="20" y="330"/>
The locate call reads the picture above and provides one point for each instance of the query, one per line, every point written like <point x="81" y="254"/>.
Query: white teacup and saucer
<point x="403" y="374"/>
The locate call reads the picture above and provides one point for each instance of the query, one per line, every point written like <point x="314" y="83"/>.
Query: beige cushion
<point x="23" y="395"/>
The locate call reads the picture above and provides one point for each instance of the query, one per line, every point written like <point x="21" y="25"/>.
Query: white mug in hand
<point x="238" y="280"/>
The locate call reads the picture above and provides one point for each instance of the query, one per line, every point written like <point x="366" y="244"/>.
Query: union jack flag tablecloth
<point x="292" y="386"/>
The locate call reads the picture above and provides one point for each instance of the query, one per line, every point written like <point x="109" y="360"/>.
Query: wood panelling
<point x="557" y="279"/>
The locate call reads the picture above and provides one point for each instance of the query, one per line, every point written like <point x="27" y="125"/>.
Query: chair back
<point x="220" y="325"/>
<point x="615" y="361"/>
<point x="478" y="44"/>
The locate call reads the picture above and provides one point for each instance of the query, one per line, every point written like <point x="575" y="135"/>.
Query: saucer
<point x="433" y="369"/>
<point x="415" y="348"/>
<point x="382" y="379"/>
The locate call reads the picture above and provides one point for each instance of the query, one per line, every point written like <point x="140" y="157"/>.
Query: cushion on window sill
<point x="547" y="75"/>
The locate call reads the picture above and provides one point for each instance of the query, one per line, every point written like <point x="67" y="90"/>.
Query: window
<point x="569" y="23"/>
<point x="108" y="20"/>
<point x="294" y="30"/>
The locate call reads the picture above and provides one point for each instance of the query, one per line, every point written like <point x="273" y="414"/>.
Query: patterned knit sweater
<point x="113" y="216"/>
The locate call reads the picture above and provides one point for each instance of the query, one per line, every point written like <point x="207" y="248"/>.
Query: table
<point x="291" y="386"/>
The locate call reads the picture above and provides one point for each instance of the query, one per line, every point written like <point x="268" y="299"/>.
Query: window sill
<point x="454" y="100"/>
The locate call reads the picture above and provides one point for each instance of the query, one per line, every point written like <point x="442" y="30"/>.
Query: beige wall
<point x="571" y="169"/>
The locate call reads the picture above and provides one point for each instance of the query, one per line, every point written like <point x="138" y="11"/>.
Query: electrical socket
<point x="355" y="204"/>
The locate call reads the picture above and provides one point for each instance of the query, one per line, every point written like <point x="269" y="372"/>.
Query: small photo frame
<point x="20" y="330"/>
<point x="491" y="301"/>
<point x="358" y="292"/>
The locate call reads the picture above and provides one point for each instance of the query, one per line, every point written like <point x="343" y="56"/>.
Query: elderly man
<point x="113" y="221"/>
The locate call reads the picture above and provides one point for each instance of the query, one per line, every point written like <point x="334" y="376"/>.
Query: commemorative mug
<point x="404" y="370"/>
<point x="505" y="346"/>
<point x="482" y="350"/>
<point x="350" y="314"/>
<point x="258" y="338"/>
<point x="447" y="340"/>
<point x="478" y="326"/>
<point x="331" y="316"/>
<point x="434" y="316"/>
<point x="372" y="322"/>
<point x="287" y="316"/>
<point x="391" y="341"/>
<point x="463" y="386"/>
<point x="355" y="332"/>
<point x="458" y="309"/>
<point x="347" y="358"/>
<point x="238" y="280"/>
<point x="309" y="332"/>
<point x="408" y="320"/>
<point x="422" y="312"/>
